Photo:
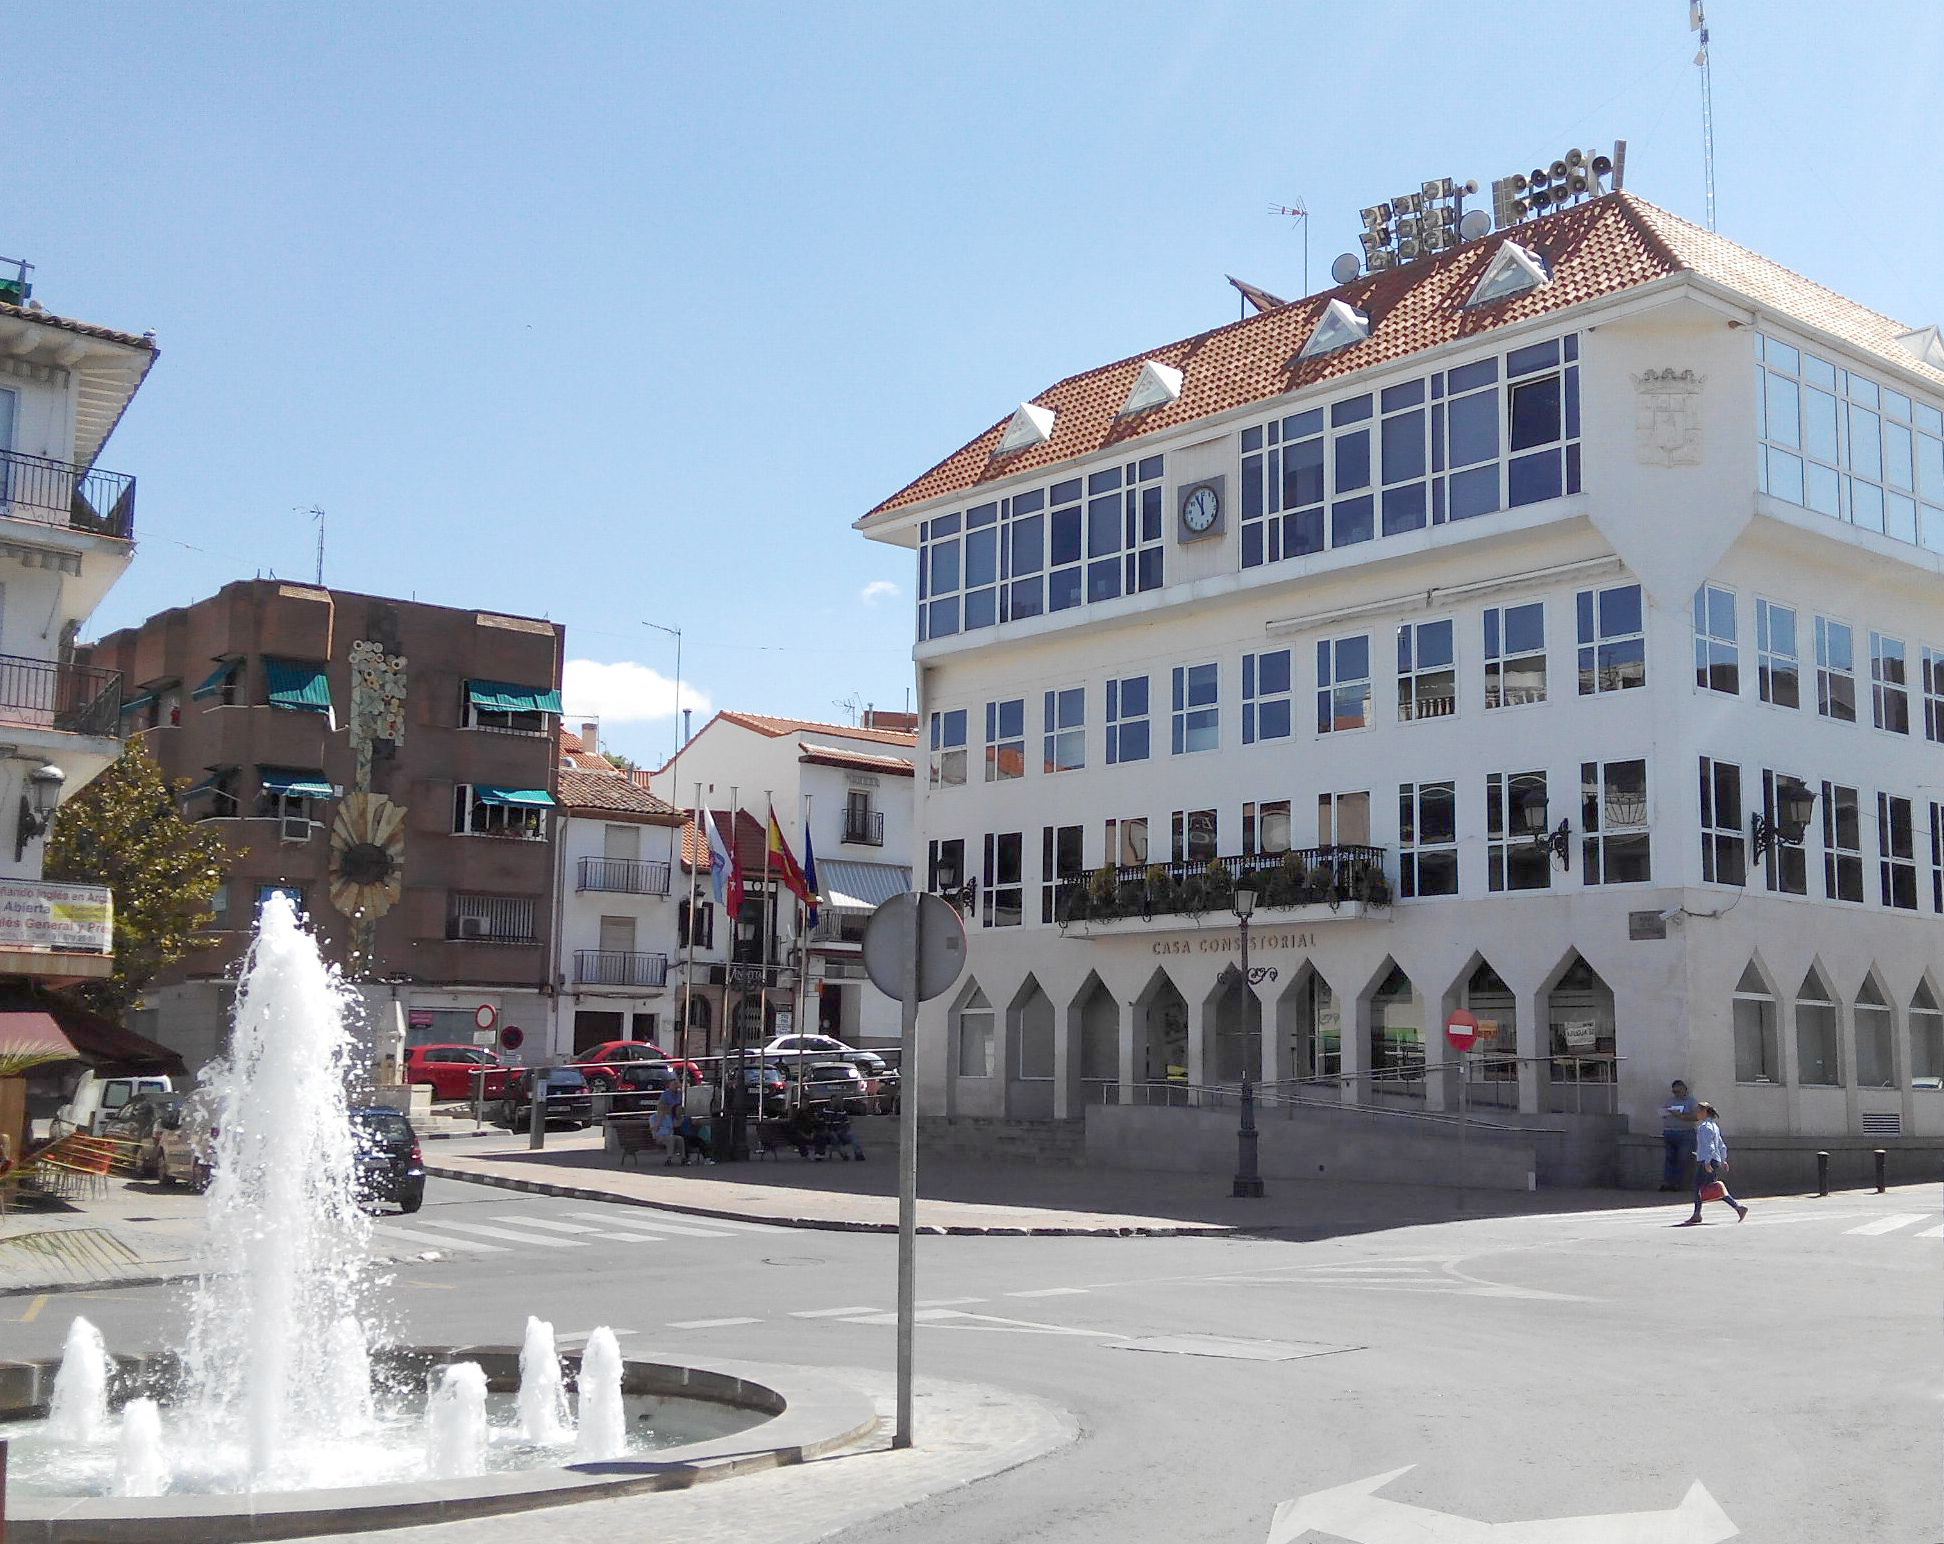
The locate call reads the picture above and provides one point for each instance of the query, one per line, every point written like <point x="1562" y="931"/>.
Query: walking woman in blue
<point x="1710" y="1163"/>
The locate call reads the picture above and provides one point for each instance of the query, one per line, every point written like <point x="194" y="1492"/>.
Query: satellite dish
<point x="1345" y="268"/>
<point x="1476" y="223"/>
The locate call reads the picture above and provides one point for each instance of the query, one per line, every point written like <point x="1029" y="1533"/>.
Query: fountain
<point x="139" y="1466"/>
<point x="79" y="1410"/>
<point x="543" y="1393"/>
<point x="291" y="1394"/>
<point x="603" y="1424"/>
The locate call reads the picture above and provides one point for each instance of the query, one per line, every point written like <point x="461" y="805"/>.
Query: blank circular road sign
<point x="888" y="938"/>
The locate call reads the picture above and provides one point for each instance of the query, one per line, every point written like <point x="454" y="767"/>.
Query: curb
<point x="819" y="1224"/>
<point x="104" y="1284"/>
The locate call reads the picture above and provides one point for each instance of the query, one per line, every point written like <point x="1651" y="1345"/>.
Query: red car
<point x="450" y="1068"/>
<point x="608" y="1065"/>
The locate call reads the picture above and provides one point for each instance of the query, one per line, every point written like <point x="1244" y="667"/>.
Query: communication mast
<point x="1698" y="23"/>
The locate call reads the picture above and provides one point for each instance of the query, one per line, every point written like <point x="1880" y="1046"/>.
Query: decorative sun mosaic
<point x="367" y="855"/>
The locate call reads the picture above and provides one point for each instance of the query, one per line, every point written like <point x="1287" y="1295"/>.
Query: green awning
<point x="136" y="704"/>
<point x="296" y="785"/>
<point x="516" y="798"/>
<point x="294" y="684"/>
<point x="218" y="679"/>
<point x="204" y="786"/>
<point x="502" y="697"/>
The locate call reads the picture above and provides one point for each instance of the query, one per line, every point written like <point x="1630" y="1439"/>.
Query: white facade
<point x="851" y="791"/>
<point x="1635" y="961"/>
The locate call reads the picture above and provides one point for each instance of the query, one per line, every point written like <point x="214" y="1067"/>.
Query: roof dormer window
<point x="1513" y="270"/>
<point x="1340" y="325"/>
<point x="1925" y="345"/>
<point x="1156" y="386"/>
<point x="1031" y="425"/>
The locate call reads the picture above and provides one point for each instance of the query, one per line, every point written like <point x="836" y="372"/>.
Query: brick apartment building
<point x="392" y="765"/>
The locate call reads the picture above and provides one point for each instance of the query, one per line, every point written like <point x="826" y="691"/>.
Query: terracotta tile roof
<point x="752" y="840"/>
<point x="837" y="756"/>
<point x="575" y="753"/>
<point x="764" y="723"/>
<point x="86" y="329"/>
<point x="695" y="850"/>
<point x="609" y="793"/>
<point x="1596" y="249"/>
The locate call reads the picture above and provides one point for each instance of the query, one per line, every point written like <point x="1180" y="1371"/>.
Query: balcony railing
<point x="1308" y="876"/>
<point x="865" y="827"/>
<point x="612" y="967"/>
<point x="57" y="493"/>
<point x="491" y="919"/>
<point x="75" y="699"/>
<point x="627" y="876"/>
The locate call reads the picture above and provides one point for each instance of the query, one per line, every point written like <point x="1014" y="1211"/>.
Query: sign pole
<point x="908" y="1175"/>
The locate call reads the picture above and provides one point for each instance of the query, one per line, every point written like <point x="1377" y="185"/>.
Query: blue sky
<point x="617" y="314"/>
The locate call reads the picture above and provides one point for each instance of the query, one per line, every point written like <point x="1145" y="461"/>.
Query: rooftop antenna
<point x="318" y="515"/>
<point x="1698" y="23"/>
<point x="1300" y="214"/>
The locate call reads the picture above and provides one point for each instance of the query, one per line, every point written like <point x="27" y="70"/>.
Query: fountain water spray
<point x="603" y="1424"/>
<point x="285" y="1230"/>
<point x="78" y="1411"/>
<point x="543" y="1395"/>
<point x="455" y="1423"/>
<point x="139" y="1467"/>
<point x="350" y="1374"/>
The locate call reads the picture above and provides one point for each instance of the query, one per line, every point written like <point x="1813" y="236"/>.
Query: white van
<point x="96" y="1098"/>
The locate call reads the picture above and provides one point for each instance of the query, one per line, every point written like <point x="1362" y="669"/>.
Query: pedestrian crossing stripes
<point x="435" y="1240"/>
<point x="574" y="1230"/>
<point x="1890" y="1224"/>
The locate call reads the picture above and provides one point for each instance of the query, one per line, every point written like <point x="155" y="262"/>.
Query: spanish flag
<point x="784" y="861"/>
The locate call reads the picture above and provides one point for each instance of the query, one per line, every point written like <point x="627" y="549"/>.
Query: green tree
<point x="125" y="830"/>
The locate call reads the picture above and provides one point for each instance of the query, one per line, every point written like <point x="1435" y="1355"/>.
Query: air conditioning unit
<point x="296" y="828"/>
<point x="472" y="927"/>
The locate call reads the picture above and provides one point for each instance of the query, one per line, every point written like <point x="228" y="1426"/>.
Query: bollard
<point x="1822" y="1174"/>
<point x="1881" y="1157"/>
<point x="3" y="1493"/>
<point x="537" y="1112"/>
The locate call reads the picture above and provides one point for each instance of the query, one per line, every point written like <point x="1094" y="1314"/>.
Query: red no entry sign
<point x="1461" y="1029"/>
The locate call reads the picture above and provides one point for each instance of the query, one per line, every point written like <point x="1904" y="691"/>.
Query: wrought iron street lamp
<point x="1247" y="1181"/>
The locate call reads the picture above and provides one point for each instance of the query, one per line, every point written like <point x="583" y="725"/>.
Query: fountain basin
<point x="790" y="1418"/>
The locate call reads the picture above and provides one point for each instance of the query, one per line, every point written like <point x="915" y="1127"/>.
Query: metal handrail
<point x="1301" y="876"/>
<point x="619" y="967"/>
<point x="626" y="876"/>
<point x="865" y="828"/>
<point x="47" y="694"/>
<point x="1218" y="1096"/>
<point x="60" y="493"/>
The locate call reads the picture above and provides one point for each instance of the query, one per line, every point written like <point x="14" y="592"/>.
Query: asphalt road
<point x="1549" y="1367"/>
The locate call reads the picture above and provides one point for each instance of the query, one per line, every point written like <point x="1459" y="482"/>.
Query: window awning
<point x="294" y="684"/>
<point x="136" y="704"/>
<point x="296" y="785"/>
<point x="204" y="786"/>
<point x="218" y="679"/>
<point x="515" y="798"/>
<point x="502" y="697"/>
<point x="857" y="887"/>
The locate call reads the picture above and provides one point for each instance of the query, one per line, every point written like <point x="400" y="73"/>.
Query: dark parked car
<point x="836" y="1083"/>
<point x="568" y="1102"/>
<point x="390" y="1166"/>
<point x="140" y="1121"/>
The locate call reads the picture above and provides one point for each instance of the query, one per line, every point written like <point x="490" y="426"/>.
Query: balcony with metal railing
<point x="623" y="876"/>
<point x="51" y="492"/>
<point x="865" y="828"/>
<point x="69" y="699"/>
<point x="1308" y="884"/>
<point x="614" y="967"/>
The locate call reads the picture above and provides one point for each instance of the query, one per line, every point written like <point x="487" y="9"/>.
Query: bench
<point x="633" y="1136"/>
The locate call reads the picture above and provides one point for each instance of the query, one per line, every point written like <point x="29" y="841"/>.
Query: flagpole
<point x="688" y="944"/>
<point x="769" y="923"/>
<point x="729" y="963"/>
<point x="802" y="950"/>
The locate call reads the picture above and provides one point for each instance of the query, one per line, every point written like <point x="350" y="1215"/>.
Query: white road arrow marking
<point x="1356" y="1514"/>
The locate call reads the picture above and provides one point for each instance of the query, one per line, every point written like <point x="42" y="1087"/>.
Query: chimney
<point x="590" y="735"/>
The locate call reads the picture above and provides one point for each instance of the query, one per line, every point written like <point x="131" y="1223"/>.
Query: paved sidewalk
<point x="135" y="1232"/>
<point x="962" y="1195"/>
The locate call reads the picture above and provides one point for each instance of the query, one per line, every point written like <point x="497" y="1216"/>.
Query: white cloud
<point x="623" y="692"/>
<point x="877" y="590"/>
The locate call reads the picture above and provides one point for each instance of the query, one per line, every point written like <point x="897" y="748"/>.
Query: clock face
<point x="1199" y="511"/>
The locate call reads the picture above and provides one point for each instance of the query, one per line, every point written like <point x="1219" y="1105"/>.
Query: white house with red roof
<point x="622" y="896"/>
<point x="846" y="789"/>
<point x="1549" y="630"/>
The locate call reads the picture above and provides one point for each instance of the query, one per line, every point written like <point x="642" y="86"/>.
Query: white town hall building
<point x="1552" y="627"/>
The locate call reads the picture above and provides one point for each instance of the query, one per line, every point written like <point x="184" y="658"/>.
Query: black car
<point x="140" y="1122"/>
<point x="390" y="1166"/>
<point x="568" y="1100"/>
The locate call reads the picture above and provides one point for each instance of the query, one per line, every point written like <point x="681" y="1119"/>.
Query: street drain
<point x="1233" y="1350"/>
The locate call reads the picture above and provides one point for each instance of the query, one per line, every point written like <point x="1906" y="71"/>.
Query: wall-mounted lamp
<point x="1557" y="843"/>
<point x="37" y="802"/>
<point x="1795" y="807"/>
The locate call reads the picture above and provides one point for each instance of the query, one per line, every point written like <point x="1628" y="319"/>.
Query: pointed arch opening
<point x="1818" y="1047"/>
<point x="1926" y="1038"/>
<point x="1234" y="1021"/>
<point x="1494" y="1064"/>
<point x="1096" y="1018"/>
<point x="1309" y="1017"/>
<point x="1582" y="1040"/>
<point x="1758" y="1028"/>
<point x="1876" y="1056"/>
<point x="1161" y="1032"/>
<point x="973" y="1034"/>
<point x="1396" y="1035"/>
